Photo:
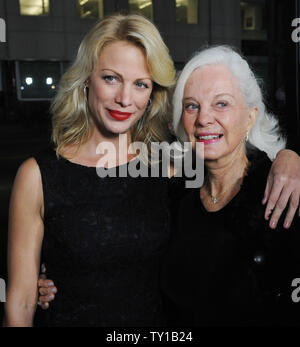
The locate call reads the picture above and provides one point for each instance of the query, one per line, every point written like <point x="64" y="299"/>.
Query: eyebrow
<point x="138" y="79"/>
<point x="216" y="96"/>
<point x="225" y="94"/>
<point x="189" y="98"/>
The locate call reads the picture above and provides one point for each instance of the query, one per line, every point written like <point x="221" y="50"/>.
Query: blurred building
<point x="42" y="37"/>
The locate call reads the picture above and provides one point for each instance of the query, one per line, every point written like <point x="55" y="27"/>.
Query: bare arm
<point x="24" y="245"/>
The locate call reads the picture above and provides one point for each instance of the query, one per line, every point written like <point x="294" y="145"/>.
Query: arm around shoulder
<point x="25" y="237"/>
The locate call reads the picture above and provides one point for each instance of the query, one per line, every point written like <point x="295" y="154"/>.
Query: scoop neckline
<point x="223" y="209"/>
<point x="95" y="167"/>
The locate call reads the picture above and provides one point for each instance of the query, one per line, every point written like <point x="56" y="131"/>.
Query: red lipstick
<point x="118" y="115"/>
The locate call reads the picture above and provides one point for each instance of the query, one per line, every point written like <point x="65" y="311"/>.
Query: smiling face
<point x="119" y="88"/>
<point x="214" y="112"/>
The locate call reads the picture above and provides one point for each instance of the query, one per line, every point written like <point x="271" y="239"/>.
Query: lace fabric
<point x="103" y="243"/>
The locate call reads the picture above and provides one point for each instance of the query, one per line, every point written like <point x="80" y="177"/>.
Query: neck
<point x="118" y="143"/>
<point x="98" y="137"/>
<point x="111" y="148"/>
<point x="225" y="173"/>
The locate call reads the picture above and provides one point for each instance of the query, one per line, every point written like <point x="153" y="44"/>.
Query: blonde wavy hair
<point x="71" y="119"/>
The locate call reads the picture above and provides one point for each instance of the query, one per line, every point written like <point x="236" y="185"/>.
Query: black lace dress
<point x="103" y="243"/>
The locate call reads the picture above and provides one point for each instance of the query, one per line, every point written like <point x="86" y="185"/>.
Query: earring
<point x="247" y="136"/>
<point x="85" y="91"/>
<point x="149" y="103"/>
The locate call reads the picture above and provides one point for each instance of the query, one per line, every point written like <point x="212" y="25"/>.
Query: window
<point x="187" y="11"/>
<point x="91" y="8"/>
<point x="34" y="7"/>
<point x="253" y="20"/>
<point x="37" y="80"/>
<point x="2" y="30"/>
<point x="254" y="36"/>
<point x="144" y="7"/>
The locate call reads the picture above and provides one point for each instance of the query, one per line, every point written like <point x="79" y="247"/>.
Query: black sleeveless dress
<point x="103" y="243"/>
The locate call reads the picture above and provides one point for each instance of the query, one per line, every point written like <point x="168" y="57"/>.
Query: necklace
<point x="215" y="199"/>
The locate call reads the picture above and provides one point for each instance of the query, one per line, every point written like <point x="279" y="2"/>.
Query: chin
<point x="117" y="127"/>
<point x="118" y="130"/>
<point x="211" y="155"/>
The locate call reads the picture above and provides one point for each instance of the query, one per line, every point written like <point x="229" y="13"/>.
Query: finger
<point x="42" y="277"/>
<point x="280" y="206"/>
<point x="47" y="291"/>
<point x="273" y="198"/>
<point x="268" y="189"/>
<point x="293" y="205"/>
<point x="46" y="298"/>
<point x="45" y="283"/>
<point x="44" y="291"/>
<point x="44" y="305"/>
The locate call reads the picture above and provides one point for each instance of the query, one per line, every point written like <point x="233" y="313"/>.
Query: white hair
<point x="265" y="134"/>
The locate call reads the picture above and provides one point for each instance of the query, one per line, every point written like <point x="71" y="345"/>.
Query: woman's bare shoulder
<point x="27" y="187"/>
<point x="29" y="170"/>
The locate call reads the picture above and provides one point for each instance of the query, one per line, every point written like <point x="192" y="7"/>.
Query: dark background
<point x="42" y="46"/>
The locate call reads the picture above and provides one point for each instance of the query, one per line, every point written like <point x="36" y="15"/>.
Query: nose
<point x="205" y="117"/>
<point x="124" y="96"/>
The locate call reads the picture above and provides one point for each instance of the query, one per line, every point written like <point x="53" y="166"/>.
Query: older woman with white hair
<point x="225" y="266"/>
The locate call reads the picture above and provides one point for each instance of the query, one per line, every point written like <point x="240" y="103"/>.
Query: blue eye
<point x="222" y="104"/>
<point x="142" y="85"/>
<point x="191" y="107"/>
<point x="110" y="78"/>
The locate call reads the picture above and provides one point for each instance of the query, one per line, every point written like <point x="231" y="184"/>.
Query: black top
<point x="103" y="242"/>
<point x="228" y="267"/>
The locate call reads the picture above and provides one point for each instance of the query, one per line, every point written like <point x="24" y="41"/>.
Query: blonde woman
<point x="102" y="238"/>
<point x="97" y="233"/>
